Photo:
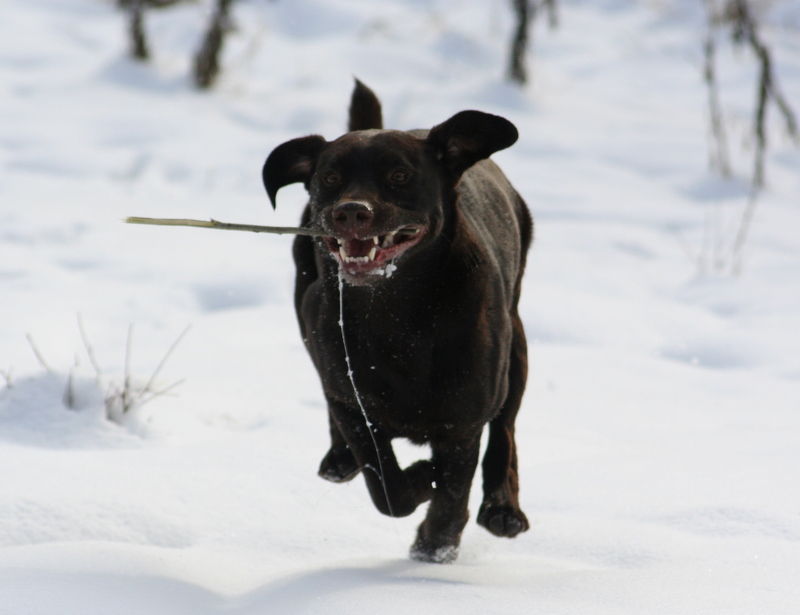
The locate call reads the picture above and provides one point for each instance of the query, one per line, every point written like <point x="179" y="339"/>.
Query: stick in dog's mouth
<point x="355" y="255"/>
<point x="227" y="226"/>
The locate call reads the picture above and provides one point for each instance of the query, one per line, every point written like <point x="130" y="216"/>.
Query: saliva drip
<point x="358" y="396"/>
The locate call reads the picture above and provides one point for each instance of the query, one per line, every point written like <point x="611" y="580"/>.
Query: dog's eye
<point x="400" y="175"/>
<point x="331" y="178"/>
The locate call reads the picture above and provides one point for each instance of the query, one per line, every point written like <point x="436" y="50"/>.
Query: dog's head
<point x="381" y="195"/>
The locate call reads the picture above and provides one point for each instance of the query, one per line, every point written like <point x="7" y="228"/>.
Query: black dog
<point x="408" y="308"/>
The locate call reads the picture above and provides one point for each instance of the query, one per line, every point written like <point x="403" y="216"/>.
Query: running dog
<point x="407" y="304"/>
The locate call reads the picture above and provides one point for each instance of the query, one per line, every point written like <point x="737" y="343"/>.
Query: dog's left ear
<point x="291" y="162"/>
<point x="470" y="136"/>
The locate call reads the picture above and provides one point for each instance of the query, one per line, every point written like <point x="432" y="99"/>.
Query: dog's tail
<point x="365" y="109"/>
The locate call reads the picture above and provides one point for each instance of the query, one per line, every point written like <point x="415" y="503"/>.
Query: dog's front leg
<point x="439" y="535"/>
<point x="395" y="491"/>
<point x="339" y="465"/>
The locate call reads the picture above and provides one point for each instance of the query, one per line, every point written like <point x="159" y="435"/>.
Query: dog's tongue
<point x="359" y="247"/>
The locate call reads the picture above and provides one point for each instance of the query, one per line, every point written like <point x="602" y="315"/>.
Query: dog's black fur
<point x="437" y="348"/>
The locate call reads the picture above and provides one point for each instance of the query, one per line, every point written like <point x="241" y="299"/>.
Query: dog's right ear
<point x="365" y="109"/>
<point x="291" y="162"/>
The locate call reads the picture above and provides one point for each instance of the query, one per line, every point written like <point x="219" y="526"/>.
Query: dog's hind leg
<point x="500" y="512"/>
<point x="439" y="535"/>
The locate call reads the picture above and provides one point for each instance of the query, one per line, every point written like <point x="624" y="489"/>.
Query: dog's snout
<point x="352" y="215"/>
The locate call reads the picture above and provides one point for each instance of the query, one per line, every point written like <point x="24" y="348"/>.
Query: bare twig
<point x="119" y="400"/>
<point x="741" y="234"/>
<point x="786" y="111"/>
<point x="524" y="12"/>
<point x="88" y="346"/>
<point x="163" y="362"/>
<point x="745" y="30"/>
<point x="719" y="155"/>
<point x="761" y="109"/>
<point x="139" y="50"/>
<point x="159" y="393"/>
<point x="206" y="62"/>
<point x="126" y="387"/>
<point x="135" y="9"/>
<point x="227" y="226"/>
<point x="38" y="354"/>
<point x="69" y="391"/>
<point x="723" y="245"/>
<point x="6" y="374"/>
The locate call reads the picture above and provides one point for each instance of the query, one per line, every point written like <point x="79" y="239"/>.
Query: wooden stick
<point x="227" y="226"/>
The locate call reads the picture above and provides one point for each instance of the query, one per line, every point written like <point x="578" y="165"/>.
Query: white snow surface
<point x="660" y="433"/>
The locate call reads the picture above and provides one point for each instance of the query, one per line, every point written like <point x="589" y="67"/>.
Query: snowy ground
<point x="660" y="434"/>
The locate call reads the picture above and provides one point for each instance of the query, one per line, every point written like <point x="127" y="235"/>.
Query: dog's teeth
<point x="375" y="240"/>
<point x="372" y="252"/>
<point x="355" y="259"/>
<point x="388" y="241"/>
<point x="343" y="253"/>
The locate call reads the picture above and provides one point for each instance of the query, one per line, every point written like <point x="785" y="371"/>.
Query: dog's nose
<point x="352" y="215"/>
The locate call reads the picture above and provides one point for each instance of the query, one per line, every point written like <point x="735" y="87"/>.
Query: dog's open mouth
<point x="369" y="255"/>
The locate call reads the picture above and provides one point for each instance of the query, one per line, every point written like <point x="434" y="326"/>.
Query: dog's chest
<point x="391" y="349"/>
<point x="418" y="362"/>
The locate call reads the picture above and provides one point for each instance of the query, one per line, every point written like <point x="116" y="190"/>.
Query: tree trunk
<point x="139" y="49"/>
<point x="206" y="62"/>
<point x="519" y="45"/>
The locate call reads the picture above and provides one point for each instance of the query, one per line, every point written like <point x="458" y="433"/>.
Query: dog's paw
<point x="338" y="465"/>
<point x="436" y="546"/>
<point x="422" y="552"/>
<point x="442" y="555"/>
<point x="503" y="520"/>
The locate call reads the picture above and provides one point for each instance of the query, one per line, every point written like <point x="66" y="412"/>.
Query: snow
<point x="660" y="433"/>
